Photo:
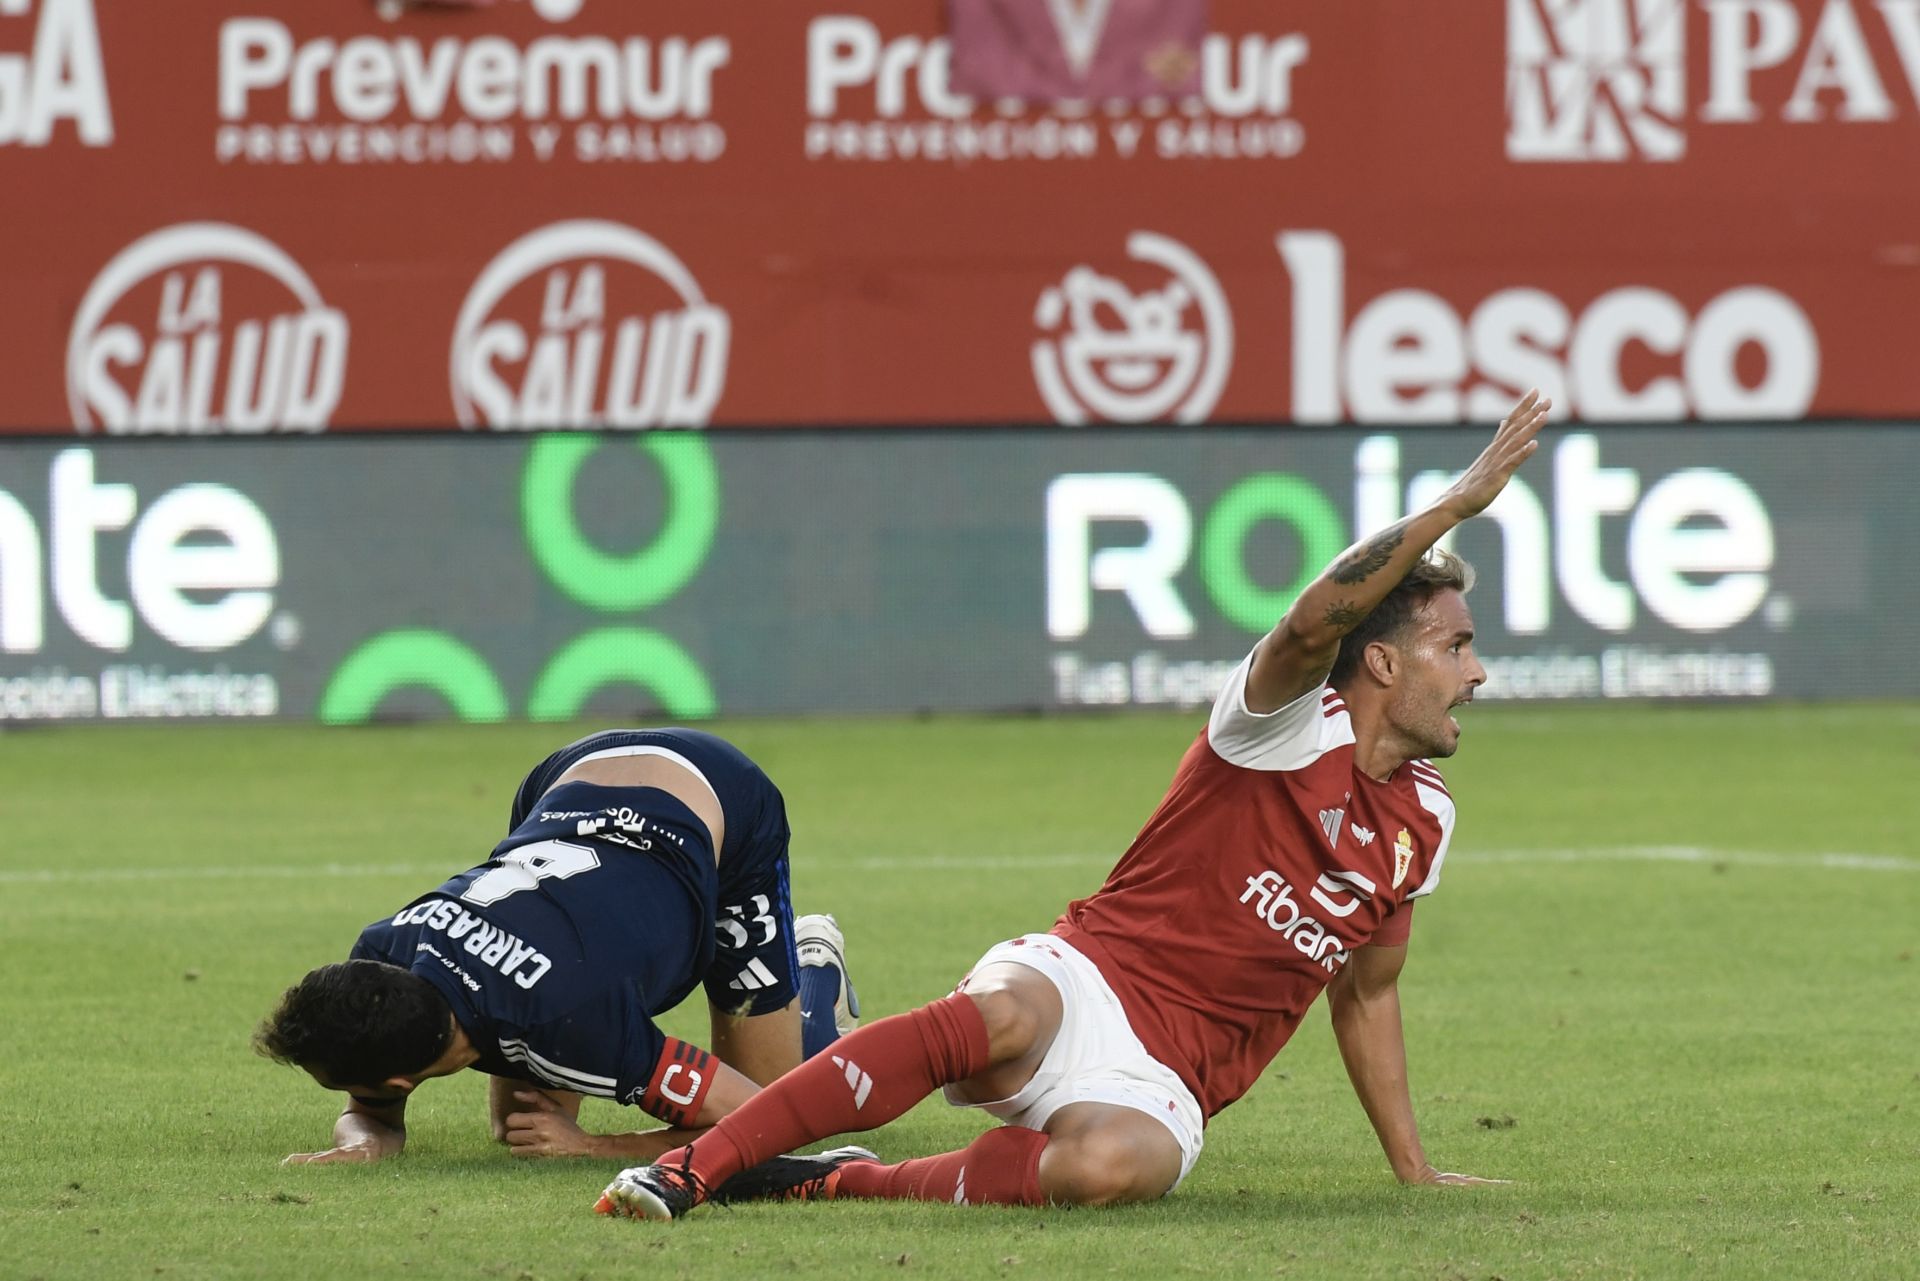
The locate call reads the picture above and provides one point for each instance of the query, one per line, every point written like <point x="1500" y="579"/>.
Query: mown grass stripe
<point x="940" y="862"/>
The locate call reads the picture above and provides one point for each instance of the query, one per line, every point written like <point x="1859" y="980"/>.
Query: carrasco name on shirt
<point x="493" y="946"/>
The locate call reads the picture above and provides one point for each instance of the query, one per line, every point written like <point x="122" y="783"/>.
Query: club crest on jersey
<point x="1402" y="857"/>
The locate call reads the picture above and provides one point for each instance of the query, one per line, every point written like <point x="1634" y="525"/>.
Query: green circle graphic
<point x="1265" y="496"/>
<point x="413" y="657"/>
<point x="628" y="655"/>
<point x="605" y="581"/>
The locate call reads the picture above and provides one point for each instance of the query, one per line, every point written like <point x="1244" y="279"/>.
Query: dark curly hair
<point x="359" y="1022"/>
<point x="1438" y="571"/>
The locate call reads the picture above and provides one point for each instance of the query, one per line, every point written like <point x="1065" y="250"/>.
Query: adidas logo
<point x="753" y="978"/>
<point x="859" y="1082"/>
<point x="960" y="1188"/>
<point x="1330" y="821"/>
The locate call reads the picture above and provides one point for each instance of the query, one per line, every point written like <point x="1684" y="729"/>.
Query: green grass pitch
<point x="1647" y="993"/>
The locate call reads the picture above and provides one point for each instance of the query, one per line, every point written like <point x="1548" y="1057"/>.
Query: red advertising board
<point x="222" y="217"/>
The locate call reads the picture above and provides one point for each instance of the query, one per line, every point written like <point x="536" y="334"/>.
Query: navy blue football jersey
<point x="601" y="909"/>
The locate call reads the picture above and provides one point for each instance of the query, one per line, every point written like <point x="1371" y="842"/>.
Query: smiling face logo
<point x="1113" y="354"/>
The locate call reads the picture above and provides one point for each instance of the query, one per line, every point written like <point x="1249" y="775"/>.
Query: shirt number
<point x="735" y="926"/>
<point x="526" y="867"/>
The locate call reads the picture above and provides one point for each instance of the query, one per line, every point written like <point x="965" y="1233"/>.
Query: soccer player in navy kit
<point x="640" y="864"/>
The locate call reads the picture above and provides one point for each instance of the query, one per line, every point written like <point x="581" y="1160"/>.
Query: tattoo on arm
<point x="1344" y="615"/>
<point x="1365" y="562"/>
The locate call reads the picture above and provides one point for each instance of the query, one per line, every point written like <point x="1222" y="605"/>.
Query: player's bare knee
<point x="1021" y="1009"/>
<point x="1013" y="1025"/>
<point x="1099" y="1168"/>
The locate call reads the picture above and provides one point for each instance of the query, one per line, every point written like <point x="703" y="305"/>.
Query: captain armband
<point x="679" y="1083"/>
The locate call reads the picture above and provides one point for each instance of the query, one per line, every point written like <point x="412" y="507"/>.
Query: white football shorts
<point x="1095" y="1058"/>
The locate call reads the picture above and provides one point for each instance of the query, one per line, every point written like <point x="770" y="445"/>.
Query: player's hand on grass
<point x="1512" y="445"/>
<point x="544" y="1129"/>
<point x="1430" y="1175"/>
<point x="347" y="1154"/>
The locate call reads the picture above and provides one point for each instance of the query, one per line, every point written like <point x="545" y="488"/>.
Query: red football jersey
<point x="1270" y="859"/>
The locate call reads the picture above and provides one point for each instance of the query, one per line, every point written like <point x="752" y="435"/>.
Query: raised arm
<point x="1299" y="652"/>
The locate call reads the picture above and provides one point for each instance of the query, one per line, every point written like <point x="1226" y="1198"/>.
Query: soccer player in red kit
<point x="1285" y="858"/>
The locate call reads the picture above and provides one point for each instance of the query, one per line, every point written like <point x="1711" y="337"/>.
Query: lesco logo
<point x="1410" y="355"/>
<point x="587" y="324"/>
<point x="1110" y="353"/>
<point x="614" y="585"/>
<point x="204" y="327"/>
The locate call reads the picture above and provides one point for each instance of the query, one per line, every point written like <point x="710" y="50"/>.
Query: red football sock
<point x="860" y="1082"/>
<point x="1001" y="1167"/>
